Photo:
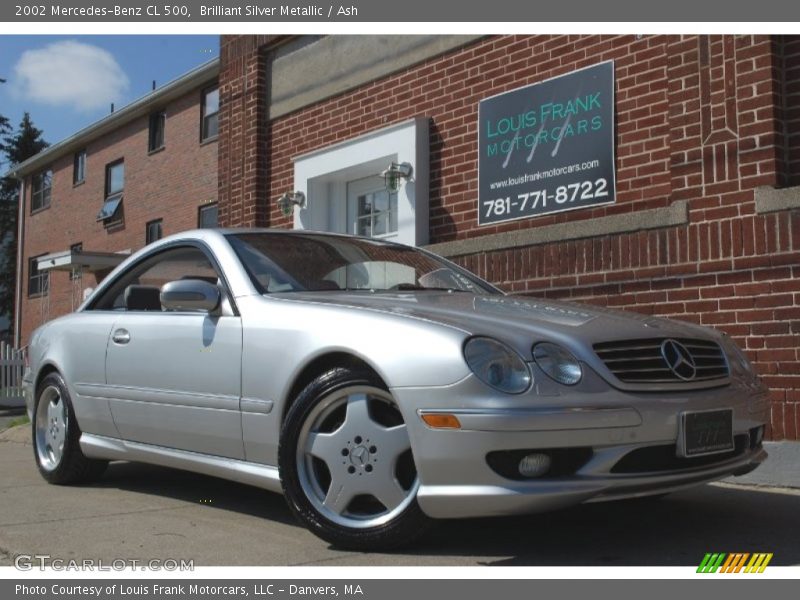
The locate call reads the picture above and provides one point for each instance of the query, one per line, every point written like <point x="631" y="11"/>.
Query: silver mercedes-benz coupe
<point x="378" y="386"/>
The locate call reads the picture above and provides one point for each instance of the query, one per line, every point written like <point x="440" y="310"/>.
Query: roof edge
<point x="169" y="91"/>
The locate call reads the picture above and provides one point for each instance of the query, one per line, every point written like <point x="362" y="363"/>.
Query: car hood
<point x="518" y="320"/>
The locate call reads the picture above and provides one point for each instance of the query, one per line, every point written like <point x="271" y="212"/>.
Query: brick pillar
<point x="791" y="106"/>
<point x="242" y="146"/>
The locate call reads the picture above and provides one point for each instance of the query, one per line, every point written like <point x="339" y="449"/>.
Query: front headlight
<point x="737" y="358"/>
<point x="497" y="365"/>
<point x="557" y="363"/>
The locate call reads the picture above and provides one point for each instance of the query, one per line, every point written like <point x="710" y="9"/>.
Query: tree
<point x="17" y="147"/>
<point x="5" y="319"/>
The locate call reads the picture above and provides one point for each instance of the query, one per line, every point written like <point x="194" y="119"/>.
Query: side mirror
<point x="190" y="294"/>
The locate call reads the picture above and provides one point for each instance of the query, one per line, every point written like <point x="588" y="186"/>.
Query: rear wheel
<point x="56" y="436"/>
<point x="346" y="464"/>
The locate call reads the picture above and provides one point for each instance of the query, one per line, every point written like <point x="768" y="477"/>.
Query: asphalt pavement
<point x="145" y="512"/>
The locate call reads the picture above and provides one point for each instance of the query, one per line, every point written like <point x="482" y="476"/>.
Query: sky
<point x="68" y="82"/>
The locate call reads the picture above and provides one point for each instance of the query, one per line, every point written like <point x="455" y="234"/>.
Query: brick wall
<point x="791" y="103"/>
<point x="700" y="119"/>
<point x="169" y="184"/>
<point x="242" y="158"/>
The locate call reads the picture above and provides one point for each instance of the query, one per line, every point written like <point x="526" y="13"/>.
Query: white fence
<point x="12" y="367"/>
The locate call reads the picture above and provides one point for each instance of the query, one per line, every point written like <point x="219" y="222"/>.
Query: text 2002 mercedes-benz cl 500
<point x="379" y="386"/>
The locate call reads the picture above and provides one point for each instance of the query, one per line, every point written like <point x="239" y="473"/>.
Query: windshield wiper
<point x="413" y="287"/>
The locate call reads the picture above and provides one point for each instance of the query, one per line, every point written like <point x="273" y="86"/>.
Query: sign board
<point x="547" y="147"/>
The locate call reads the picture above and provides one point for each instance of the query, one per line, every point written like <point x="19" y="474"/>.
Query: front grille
<point x="664" y="458"/>
<point x="642" y="361"/>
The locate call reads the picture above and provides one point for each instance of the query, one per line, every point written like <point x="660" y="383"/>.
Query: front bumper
<point x="457" y="481"/>
<point x="27" y="391"/>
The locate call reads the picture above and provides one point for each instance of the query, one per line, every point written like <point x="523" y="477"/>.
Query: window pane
<point x="40" y="192"/>
<point x="79" y="167"/>
<point x="381" y="201"/>
<point x="380" y="223"/>
<point x="364" y="205"/>
<point x="38" y="282"/>
<point x="157" y="123"/>
<point x="210" y="126"/>
<point x="153" y="232"/>
<point x="208" y="217"/>
<point x="211" y="103"/>
<point x="115" y="178"/>
<point x="393" y="215"/>
<point x="75" y="271"/>
<point x="109" y="209"/>
<point x="33" y="279"/>
<point x="210" y="122"/>
<point x="364" y="226"/>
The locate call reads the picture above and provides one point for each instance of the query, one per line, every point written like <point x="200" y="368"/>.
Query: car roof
<point x="221" y="232"/>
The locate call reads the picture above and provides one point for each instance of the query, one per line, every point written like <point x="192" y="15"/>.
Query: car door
<point x="175" y="377"/>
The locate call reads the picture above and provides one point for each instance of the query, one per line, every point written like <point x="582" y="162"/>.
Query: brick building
<point x="146" y="170"/>
<point x="704" y="224"/>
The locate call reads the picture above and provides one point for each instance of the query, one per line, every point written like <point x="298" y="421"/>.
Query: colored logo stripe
<point x="758" y="563"/>
<point x="734" y="562"/>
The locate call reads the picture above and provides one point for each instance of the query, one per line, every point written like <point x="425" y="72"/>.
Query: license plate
<point x="706" y="432"/>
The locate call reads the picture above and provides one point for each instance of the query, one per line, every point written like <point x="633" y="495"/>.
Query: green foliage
<point x="16" y="146"/>
<point x="23" y="420"/>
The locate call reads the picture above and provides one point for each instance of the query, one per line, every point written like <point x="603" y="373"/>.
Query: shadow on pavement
<point x="191" y="487"/>
<point x="677" y="530"/>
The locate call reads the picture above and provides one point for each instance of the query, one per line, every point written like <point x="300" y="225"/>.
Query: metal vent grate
<point x="663" y="360"/>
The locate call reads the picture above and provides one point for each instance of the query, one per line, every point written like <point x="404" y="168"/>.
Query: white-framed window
<point x="371" y="208"/>
<point x="346" y="193"/>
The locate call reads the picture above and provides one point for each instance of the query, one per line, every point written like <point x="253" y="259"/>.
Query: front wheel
<point x="346" y="464"/>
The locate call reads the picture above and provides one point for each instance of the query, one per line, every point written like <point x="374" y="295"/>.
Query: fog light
<point x="757" y="436"/>
<point x="534" y="465"/>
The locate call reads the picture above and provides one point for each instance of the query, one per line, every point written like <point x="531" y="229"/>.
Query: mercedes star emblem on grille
<point x="679" y="359"/>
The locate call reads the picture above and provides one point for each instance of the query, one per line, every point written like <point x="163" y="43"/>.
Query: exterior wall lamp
<point x="394" y="173"/>
<point x="289" y="200"/>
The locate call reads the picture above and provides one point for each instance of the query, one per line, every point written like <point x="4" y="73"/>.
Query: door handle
<point x="121" y="336"/>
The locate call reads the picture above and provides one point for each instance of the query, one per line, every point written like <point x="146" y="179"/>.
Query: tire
<point x="56" y="437"/>
<point x="345" y="433"/>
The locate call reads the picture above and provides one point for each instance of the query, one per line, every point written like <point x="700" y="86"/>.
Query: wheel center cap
<point x="359" y="456"/>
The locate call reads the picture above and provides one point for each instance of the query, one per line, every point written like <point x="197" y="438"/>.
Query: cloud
<point x="72" y="74"/>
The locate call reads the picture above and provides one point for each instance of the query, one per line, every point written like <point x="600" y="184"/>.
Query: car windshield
<point x="308" y="262"/>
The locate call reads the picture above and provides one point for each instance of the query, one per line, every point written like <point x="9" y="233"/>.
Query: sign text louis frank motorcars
<point x="547" y="147"/>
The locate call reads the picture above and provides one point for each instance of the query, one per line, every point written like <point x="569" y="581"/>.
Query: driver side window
<point x="139" y="288"/>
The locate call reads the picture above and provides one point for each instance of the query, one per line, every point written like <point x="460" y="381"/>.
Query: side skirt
<point x="263" y="476"/>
